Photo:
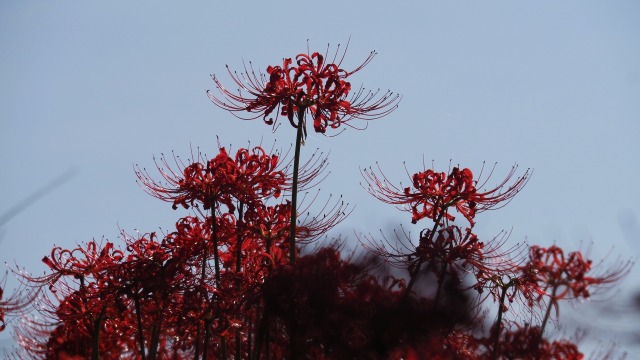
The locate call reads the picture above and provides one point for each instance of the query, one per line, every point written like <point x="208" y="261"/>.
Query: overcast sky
<point x="88" y="89"/>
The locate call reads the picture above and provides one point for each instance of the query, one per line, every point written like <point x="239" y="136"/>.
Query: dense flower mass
<point x="525" y="342"/>
<point x="243" y="276"/>
<point x="312" y="85"/>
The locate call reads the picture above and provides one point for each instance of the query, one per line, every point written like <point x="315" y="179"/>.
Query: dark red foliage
<point x="338" y="310"/>
<point x="526" y="342"/>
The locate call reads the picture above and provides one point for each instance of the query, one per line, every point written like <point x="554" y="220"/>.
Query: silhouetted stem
<point x="155" y="339"/>
<point x="239" y="240"/>
<point x="260" y="335"/>
<point x="95" y="332"/>
<point x="412" y="278"/>
<point x="294" y="190"/>
<point x="214" y="241"/>
<point x="440" y="282"/>
<point x="95" y="354"/>
<point x="249" y="337"/>
<point x="136" y="302"/>
<point x="216" y="264"/>
<point x="414" y="275"/>
<point x="552" y="301"/>
<point x="496" y="341"/>
<point x="196" y="354"/>
<point x="207" y="330"/>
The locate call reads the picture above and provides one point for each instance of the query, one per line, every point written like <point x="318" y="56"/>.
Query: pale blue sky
<point x="96" y="87"/>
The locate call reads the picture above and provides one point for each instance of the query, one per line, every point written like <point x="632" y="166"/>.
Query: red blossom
<point x="225" y="284"/>
<point x="433" y="193"/>
<point x="567" y="276"/>
<point x="251" y="175"/>
<point x="506" y="283"/>
<point x="312" y="84"/>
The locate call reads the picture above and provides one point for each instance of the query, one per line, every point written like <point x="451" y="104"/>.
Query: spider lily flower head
<point x="250" y="176"/>
<point x="271" y="224"/>
<point x="450" y="246"/>
<point x="310" y="84"/>
<point x="86" y="260"/>
<point x="568" y="276"/>
<point x="433" y="193"/>
<point x="514" y="285"/>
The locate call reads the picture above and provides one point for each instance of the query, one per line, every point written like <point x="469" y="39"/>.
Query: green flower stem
<point x="294" y="190"/>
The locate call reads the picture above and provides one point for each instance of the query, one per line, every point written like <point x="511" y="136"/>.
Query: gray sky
<point x="88" y="89"/>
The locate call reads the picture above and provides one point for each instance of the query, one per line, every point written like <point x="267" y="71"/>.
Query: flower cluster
<point x="434" y="193"/>
<point x="242" y="276"/>
<point x="313" y="85"/>
<point x="251" y="174"/>
<point x="566" y="276"/>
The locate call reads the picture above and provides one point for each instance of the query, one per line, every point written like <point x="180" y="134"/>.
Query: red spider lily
<point x="238" y="280"/>
<point x="443" y="251"/>
<point x="247" y="177"/>
<point x="509" y="284"/>
<point x="313" y="85"/>
<point x="79" y="263"/>
<point x="79" y="298"/>
<point x="566" y="276"/>
<point x="448" y="247"/>
<point x="268" y="226"/>
<point x="433" y="193"/>
<point x="503" y="285"/>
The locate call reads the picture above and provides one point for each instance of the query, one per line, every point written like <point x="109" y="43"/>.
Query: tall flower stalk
<point x="312" y="86"/>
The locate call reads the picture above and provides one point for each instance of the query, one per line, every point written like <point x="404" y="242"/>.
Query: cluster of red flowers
<point x="435" y="193"/>
<point x="232" y="280"/>
<point x="313" y="85"/>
